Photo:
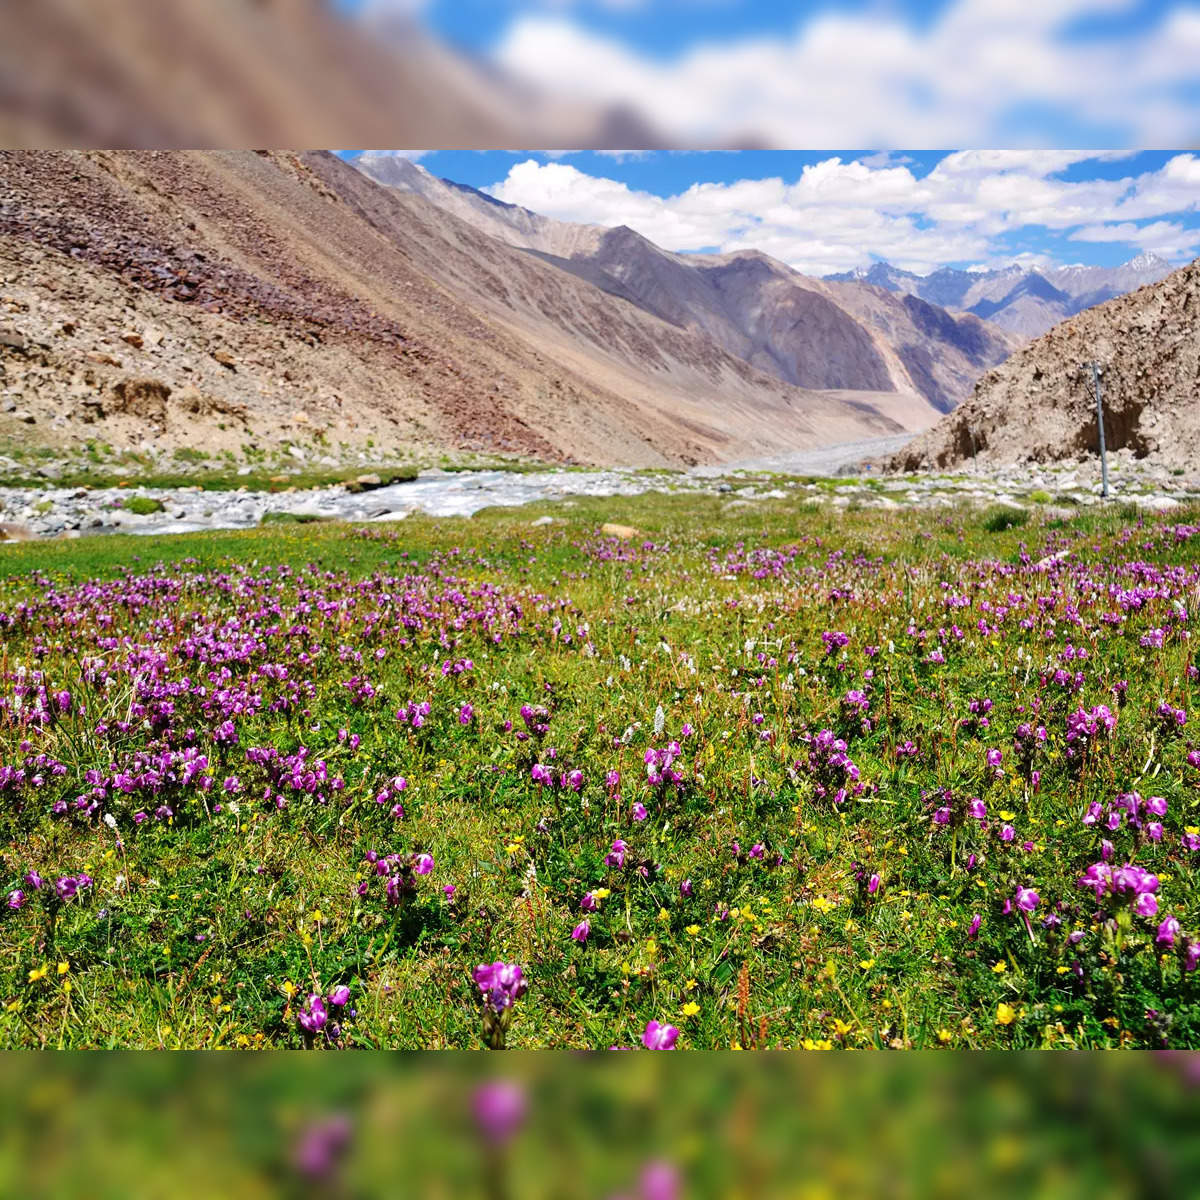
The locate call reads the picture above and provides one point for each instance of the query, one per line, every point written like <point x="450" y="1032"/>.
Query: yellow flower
<point x="944" y="1037"/>
<point x="1005" y="1014"/>
<point x="841" y="1028"/>
<point x="1005" y="815"/>
<point x="690" y="1009"/>
<point x="318" y="916"/>
<point x="38" y="973"/>
<point x="602" y="893"/>
<point x="663" y="915"/>
<point x="823" y="1044"/>
<point x="692" y="930"/>
<point x="12" y="1006"/>
<point x="866" y="964"/>
<point x="690" y="985"/>
<point x="289" y="988"/>
<point x="651" y="947"/>
<point x="1000" y="967"/>
<point x="63" y="967"/>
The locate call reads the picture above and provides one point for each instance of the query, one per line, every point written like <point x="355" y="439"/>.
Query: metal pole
<point x="1097" y="370"/>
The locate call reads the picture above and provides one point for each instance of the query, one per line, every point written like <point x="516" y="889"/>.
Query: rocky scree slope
<point x="1039" y="406"/>
<point x="231" y="301"/>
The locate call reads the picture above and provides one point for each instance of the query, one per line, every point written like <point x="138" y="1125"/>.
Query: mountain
<point x="807" y="332"/>
<point x="1039" y="407"/>
<point x="245" y="73"/>
<point x="1025" y="302"/>
<point x="234" y="301"/>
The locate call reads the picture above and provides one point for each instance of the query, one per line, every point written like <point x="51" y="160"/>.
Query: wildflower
<point x="659" y="1036"/>
<point x="581" y="931"/>
<point x="313" y="1016"/>
<point x="1168" y="931"/>
<point x="690" y="1009"/>
<point x="423" y="864"/>
<point x="1005" y="1014"/>
<point x="39" y="973"/>
<point x="639" y="811"/>
<point x="1027" y="899"/>
<point x="321" y="1147"/>
<point x="616" y="855"/>
<point x="660" y="1181"/>
<point x="340" y="996"/>
<point x="973" y="928"/>
<point x="16" y="898"/>
<point x="499" y="1106"/>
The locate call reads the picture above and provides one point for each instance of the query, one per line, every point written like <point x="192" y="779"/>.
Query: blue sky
<point x="852" y="72"/>
<point x="825" y="211"/>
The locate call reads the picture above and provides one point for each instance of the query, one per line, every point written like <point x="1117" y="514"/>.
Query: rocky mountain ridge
<point x="1026" y="302"/>
<point x="808" y="332"/>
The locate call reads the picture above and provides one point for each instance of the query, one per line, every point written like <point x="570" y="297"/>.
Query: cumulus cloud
<point x="985" y="71"/>
<point x="840" y="213"/>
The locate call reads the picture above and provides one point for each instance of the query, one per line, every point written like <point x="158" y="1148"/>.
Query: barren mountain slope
<point x="1038" y="406"/>
<point x="257" y="73"/>
<point x="231" y="300"/>
<point x="805" y="331"/>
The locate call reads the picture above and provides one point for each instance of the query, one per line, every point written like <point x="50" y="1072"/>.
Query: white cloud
<point x="840" y="213"/>
<point x="989" y="71"/>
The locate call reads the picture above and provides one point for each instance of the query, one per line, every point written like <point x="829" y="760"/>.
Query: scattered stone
<point x="133" y="338"/>
<point x="10" y="532"/>
<point x="225" y="359"/>
<point x="101" y="359"/>
<point x="624" y="532"/>
<point x="10" y="339"/>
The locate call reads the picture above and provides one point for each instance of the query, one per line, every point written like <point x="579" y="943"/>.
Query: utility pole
<point x="1097" y="371"/>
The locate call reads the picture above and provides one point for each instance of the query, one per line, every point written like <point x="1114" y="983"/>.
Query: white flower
<point x="110" y="820"/>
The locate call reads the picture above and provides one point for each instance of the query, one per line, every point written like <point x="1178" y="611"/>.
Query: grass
<point x="230" y="700"/>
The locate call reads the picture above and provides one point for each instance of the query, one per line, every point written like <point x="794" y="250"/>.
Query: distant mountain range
<point x="810" y="333"/>
<point x="1025" y="302"/>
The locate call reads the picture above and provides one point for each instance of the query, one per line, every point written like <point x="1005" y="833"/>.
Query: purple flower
<point x="589" y="903"/>
<point x="16" y="898"/>
<point x="321" y="1146"/>
<point x="685" y="888"/>
<point x="659" y="1037"/>
<point x="873" y="885"/>
<point x="1168" y="931"/>
<point x="34" y="880"/>
<point x="499" y="1106"/>
<point x="616" y="856"/>
<point x="313" y="1017"/>
<point x="1027" y="899"/>
<point x="581" y="931"/>
<point x="501" y="984"/>
<point x="660" y="1181"/>
<point x="639" y="811"/>
<point x="423" y="864"/>
<point x="973" y="928"/>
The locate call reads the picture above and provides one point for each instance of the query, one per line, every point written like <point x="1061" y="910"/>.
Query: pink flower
<point x="581" y="931"/>
<point x="659" y="1037"/>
